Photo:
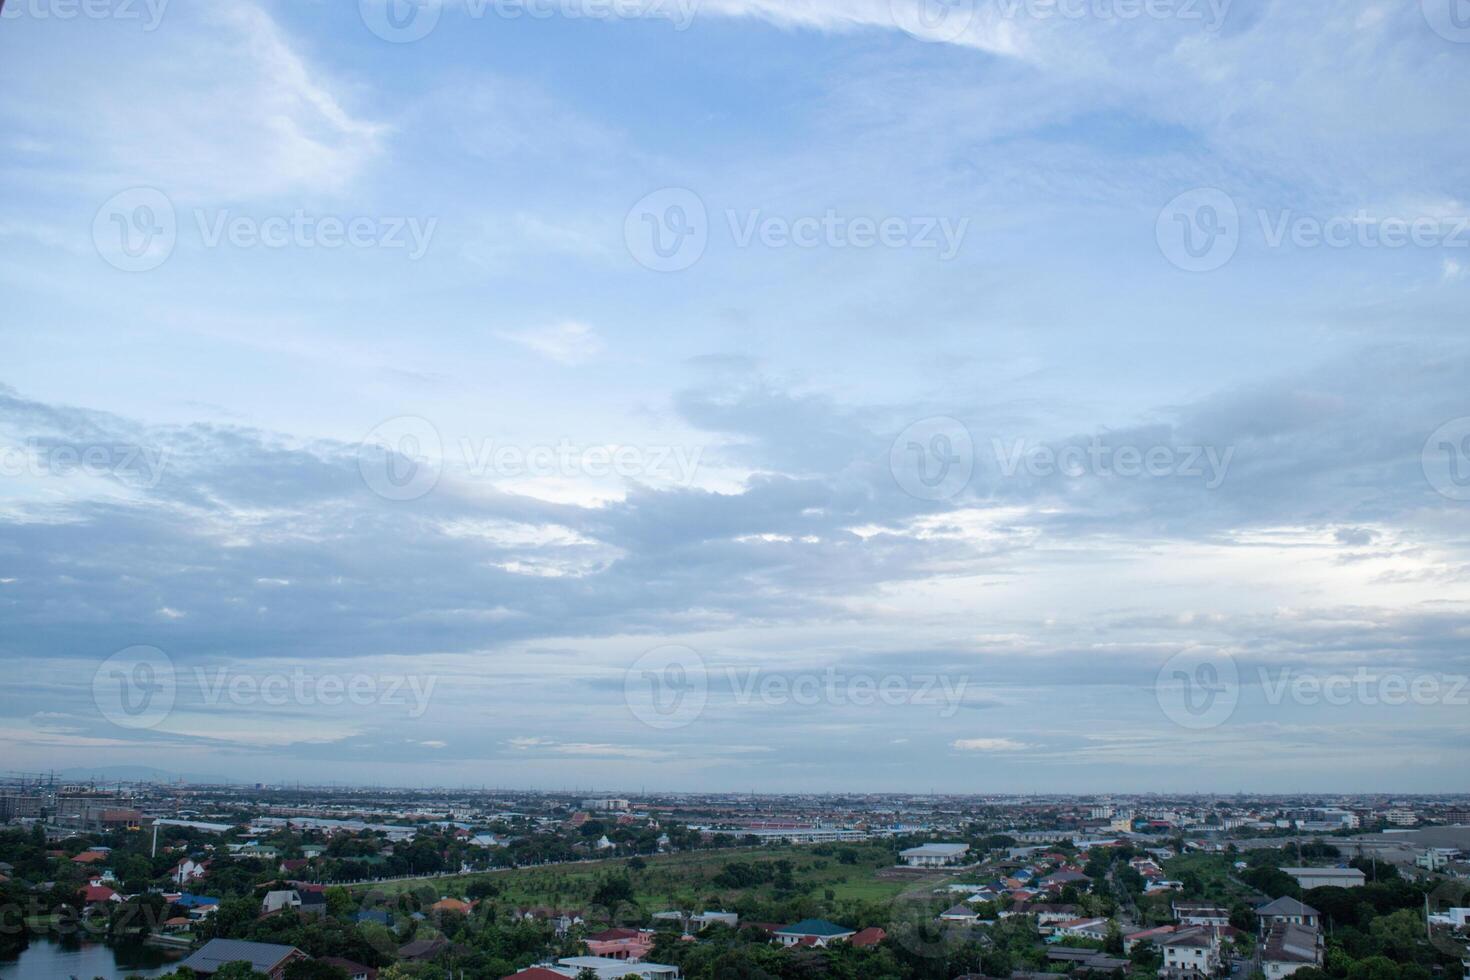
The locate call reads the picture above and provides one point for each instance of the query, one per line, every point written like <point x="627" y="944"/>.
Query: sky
<point x="790" y="395"/>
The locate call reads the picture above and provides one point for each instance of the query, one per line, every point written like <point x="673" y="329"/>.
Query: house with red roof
<point x="99" y="895"/>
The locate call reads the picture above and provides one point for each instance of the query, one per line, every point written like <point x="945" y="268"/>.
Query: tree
<point x="238" y="971"/>
<point x="314" y="970"/>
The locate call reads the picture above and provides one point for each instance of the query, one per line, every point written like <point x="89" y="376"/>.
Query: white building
<point x="1454" y="918"/>
<point x="1190" y="954"/>
<point x="608" y="968"/>
<point x="1327" y="877"/>
<point x="1197" y="914"/>
<point x="934" y="855"/>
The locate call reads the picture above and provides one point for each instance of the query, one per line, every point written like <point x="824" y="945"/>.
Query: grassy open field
<point x="686" y="880"/>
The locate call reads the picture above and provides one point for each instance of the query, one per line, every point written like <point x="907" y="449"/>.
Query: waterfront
<point x="49" y="959"/>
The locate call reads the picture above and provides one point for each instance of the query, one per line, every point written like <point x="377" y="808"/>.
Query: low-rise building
<point x="1190" y="954"/>
<point x="268" y="958"/>
<point x="1288" y="911"/>
<point x="934" y="855"/>
<point x="1327" y="877"/>
<point x="812" y="932"/>
<point x="1290" y="947"/>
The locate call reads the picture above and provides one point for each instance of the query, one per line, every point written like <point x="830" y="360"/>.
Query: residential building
<point x="1288" y="948"/>
<point x="608" y="969"/>
<point x="188" y="871"/>
<point x="812" y="932"/>
<point x="1190" y="954"/>
<point x="1288" y="911"/>
<point x="1096" y="928"/>
<point x="1200" y="914"/>
<point x="354" y="971"/>
<point x="959" y="913"/>
<point x="268" y="958"/>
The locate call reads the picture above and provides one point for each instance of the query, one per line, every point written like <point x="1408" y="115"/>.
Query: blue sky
<point x="729" y="448"/>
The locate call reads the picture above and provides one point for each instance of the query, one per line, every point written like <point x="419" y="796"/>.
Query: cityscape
<point x="300" y="881"/>
<point x="735" y="490"/>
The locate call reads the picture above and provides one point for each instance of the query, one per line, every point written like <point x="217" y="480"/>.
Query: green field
<point x="685" y="880"/>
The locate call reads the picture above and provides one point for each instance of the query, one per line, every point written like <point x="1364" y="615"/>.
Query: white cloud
<point x="233" y="110"/>
<point x="989" y="745"/>
<point x="569" y="342"/>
